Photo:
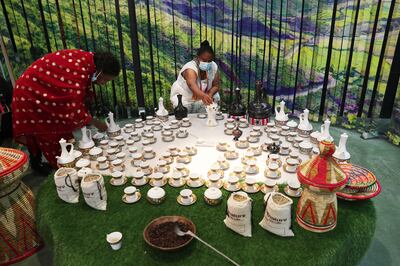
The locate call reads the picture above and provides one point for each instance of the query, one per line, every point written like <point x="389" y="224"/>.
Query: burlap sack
<point x="67" y="184"/>
<point x="94" y="191"/>
<point x="238" y="213"/>
<point x="277" y="216"/>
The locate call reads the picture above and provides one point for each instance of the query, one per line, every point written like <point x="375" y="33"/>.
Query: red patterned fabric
<point x="49" y="97"/>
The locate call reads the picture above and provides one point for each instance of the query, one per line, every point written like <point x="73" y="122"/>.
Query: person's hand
<point x="207" y="99"/>
<point x="101" y="126"/>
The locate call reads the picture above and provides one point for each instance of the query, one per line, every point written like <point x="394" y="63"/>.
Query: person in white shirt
<point x="198" y="81"/>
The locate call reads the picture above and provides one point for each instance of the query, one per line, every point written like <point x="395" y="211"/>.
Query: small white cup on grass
<point x="115" y="240"/>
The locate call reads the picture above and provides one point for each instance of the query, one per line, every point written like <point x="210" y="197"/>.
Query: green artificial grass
<point x="77" y="233"/>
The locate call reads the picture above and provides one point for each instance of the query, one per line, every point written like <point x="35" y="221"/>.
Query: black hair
<point x="205" y="48"/>
<point x="107" y="63"/>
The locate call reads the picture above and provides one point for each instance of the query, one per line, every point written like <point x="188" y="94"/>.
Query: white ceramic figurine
<point x="212" y="110"/>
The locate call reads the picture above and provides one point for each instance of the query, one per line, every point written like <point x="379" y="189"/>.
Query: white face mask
<point x="205" y="66"/>
<point x="95" y="76"/>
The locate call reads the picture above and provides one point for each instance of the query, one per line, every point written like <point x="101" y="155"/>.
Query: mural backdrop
<point x="332" y="56"/>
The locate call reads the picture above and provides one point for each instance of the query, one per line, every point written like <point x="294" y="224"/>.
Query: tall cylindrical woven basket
<point x="18" y="235"/>
<point x="321" y="177"/>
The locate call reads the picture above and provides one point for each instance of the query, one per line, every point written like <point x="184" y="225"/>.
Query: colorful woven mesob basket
<point x="321" y="177"/>
<point x="18" y="235"/>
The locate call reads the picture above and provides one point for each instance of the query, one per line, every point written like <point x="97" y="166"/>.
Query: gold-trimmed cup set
<point x="214" y="180"/>
<point x="180" y="167"/>
<point x="253" y="137"/>
<point x="186" y="197"/>
<point x="186" y="122"/>
<point x="231" y="154"/>
<point x="131" y="194"/>
<point x="145" y="168"/>
<point x="148" y="153"/>
<point x="215" y="169"/>
<point x="249" y="155"/>
<point x="191" y="150"/>
<point x="293" y="189"/>
<point x="135" y="136"/>
<point x="269" y="186"/>
<point x="250" y="185"/>
<point x="272" y="171"/>
<point x="222" y="146"/>
<point x="239" y="172"/>
<point x="176" y="179"/>
<point x="229" y="129"/>
<point x="139" y="178"/>
<point x="95" y="153"/>
<point x="118" y="165"/>
<point x="232" y="184"/>
<point x="157" y="180"/>
<point x="162" y="167"/>
<point x="118" y="178"/>
<point x="251" y="167"/>
<point x="183" y="157"/>
<point x="291" y="165"/>
<point x="242" y="143"/>
<point x="149" y="120"/>
<point x="167" y="156"/>
<point x="137" y="159"/>
<point x="139" y="123"/>
<point x="167" y="136"/>
<point x="157" y="126"/>
<point x="195" y="180"/>
<point x="255" y="149"/>
<point x="102" y="163"/>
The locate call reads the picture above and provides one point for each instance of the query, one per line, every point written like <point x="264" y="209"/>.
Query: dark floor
<point x="377" y="154"/>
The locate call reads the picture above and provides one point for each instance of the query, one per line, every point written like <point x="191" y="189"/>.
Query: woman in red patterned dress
<point x="49" y="100"/>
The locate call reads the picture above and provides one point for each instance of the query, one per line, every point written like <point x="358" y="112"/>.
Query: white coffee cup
<point x="139" y="178"/>
<point x="293" y="187"/>
<point x="273" y="169"/>
<point x="186" y="196"/>
<point x="233" y="181"/>
<point x="139" y="123"/>
<point x="104" y="144"/>
<point x="102" y="162"/>
<point x="137" y="159"/>
<point x="269" y="184"/>
<point x="131" y="193"/>
<point x="185" y="122"/>
<point x="158" y="179"/>
<point x="117" y="164"/>
<point x="291" y="164"/>
<point x="115" y="240"/>
<point x="129" y="143"/>
<point x="121" y="155"/>
<point x="118" y="177"/>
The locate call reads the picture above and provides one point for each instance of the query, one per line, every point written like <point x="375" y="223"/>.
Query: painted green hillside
<point x="253" y="39"/>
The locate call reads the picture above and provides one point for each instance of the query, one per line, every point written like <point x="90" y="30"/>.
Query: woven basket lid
<point x="323" y="171"/>
<point x="11" y="160"/>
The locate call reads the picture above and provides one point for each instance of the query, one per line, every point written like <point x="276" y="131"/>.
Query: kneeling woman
<point x="198" y="81"/>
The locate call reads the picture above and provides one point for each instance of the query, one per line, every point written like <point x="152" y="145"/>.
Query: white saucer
<point x="198" y="184"/>
<point x="112" y="182"/>
<point x="179" y="200"/>
<point x="138" y="196"/>
<point x="291" y="195"/>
